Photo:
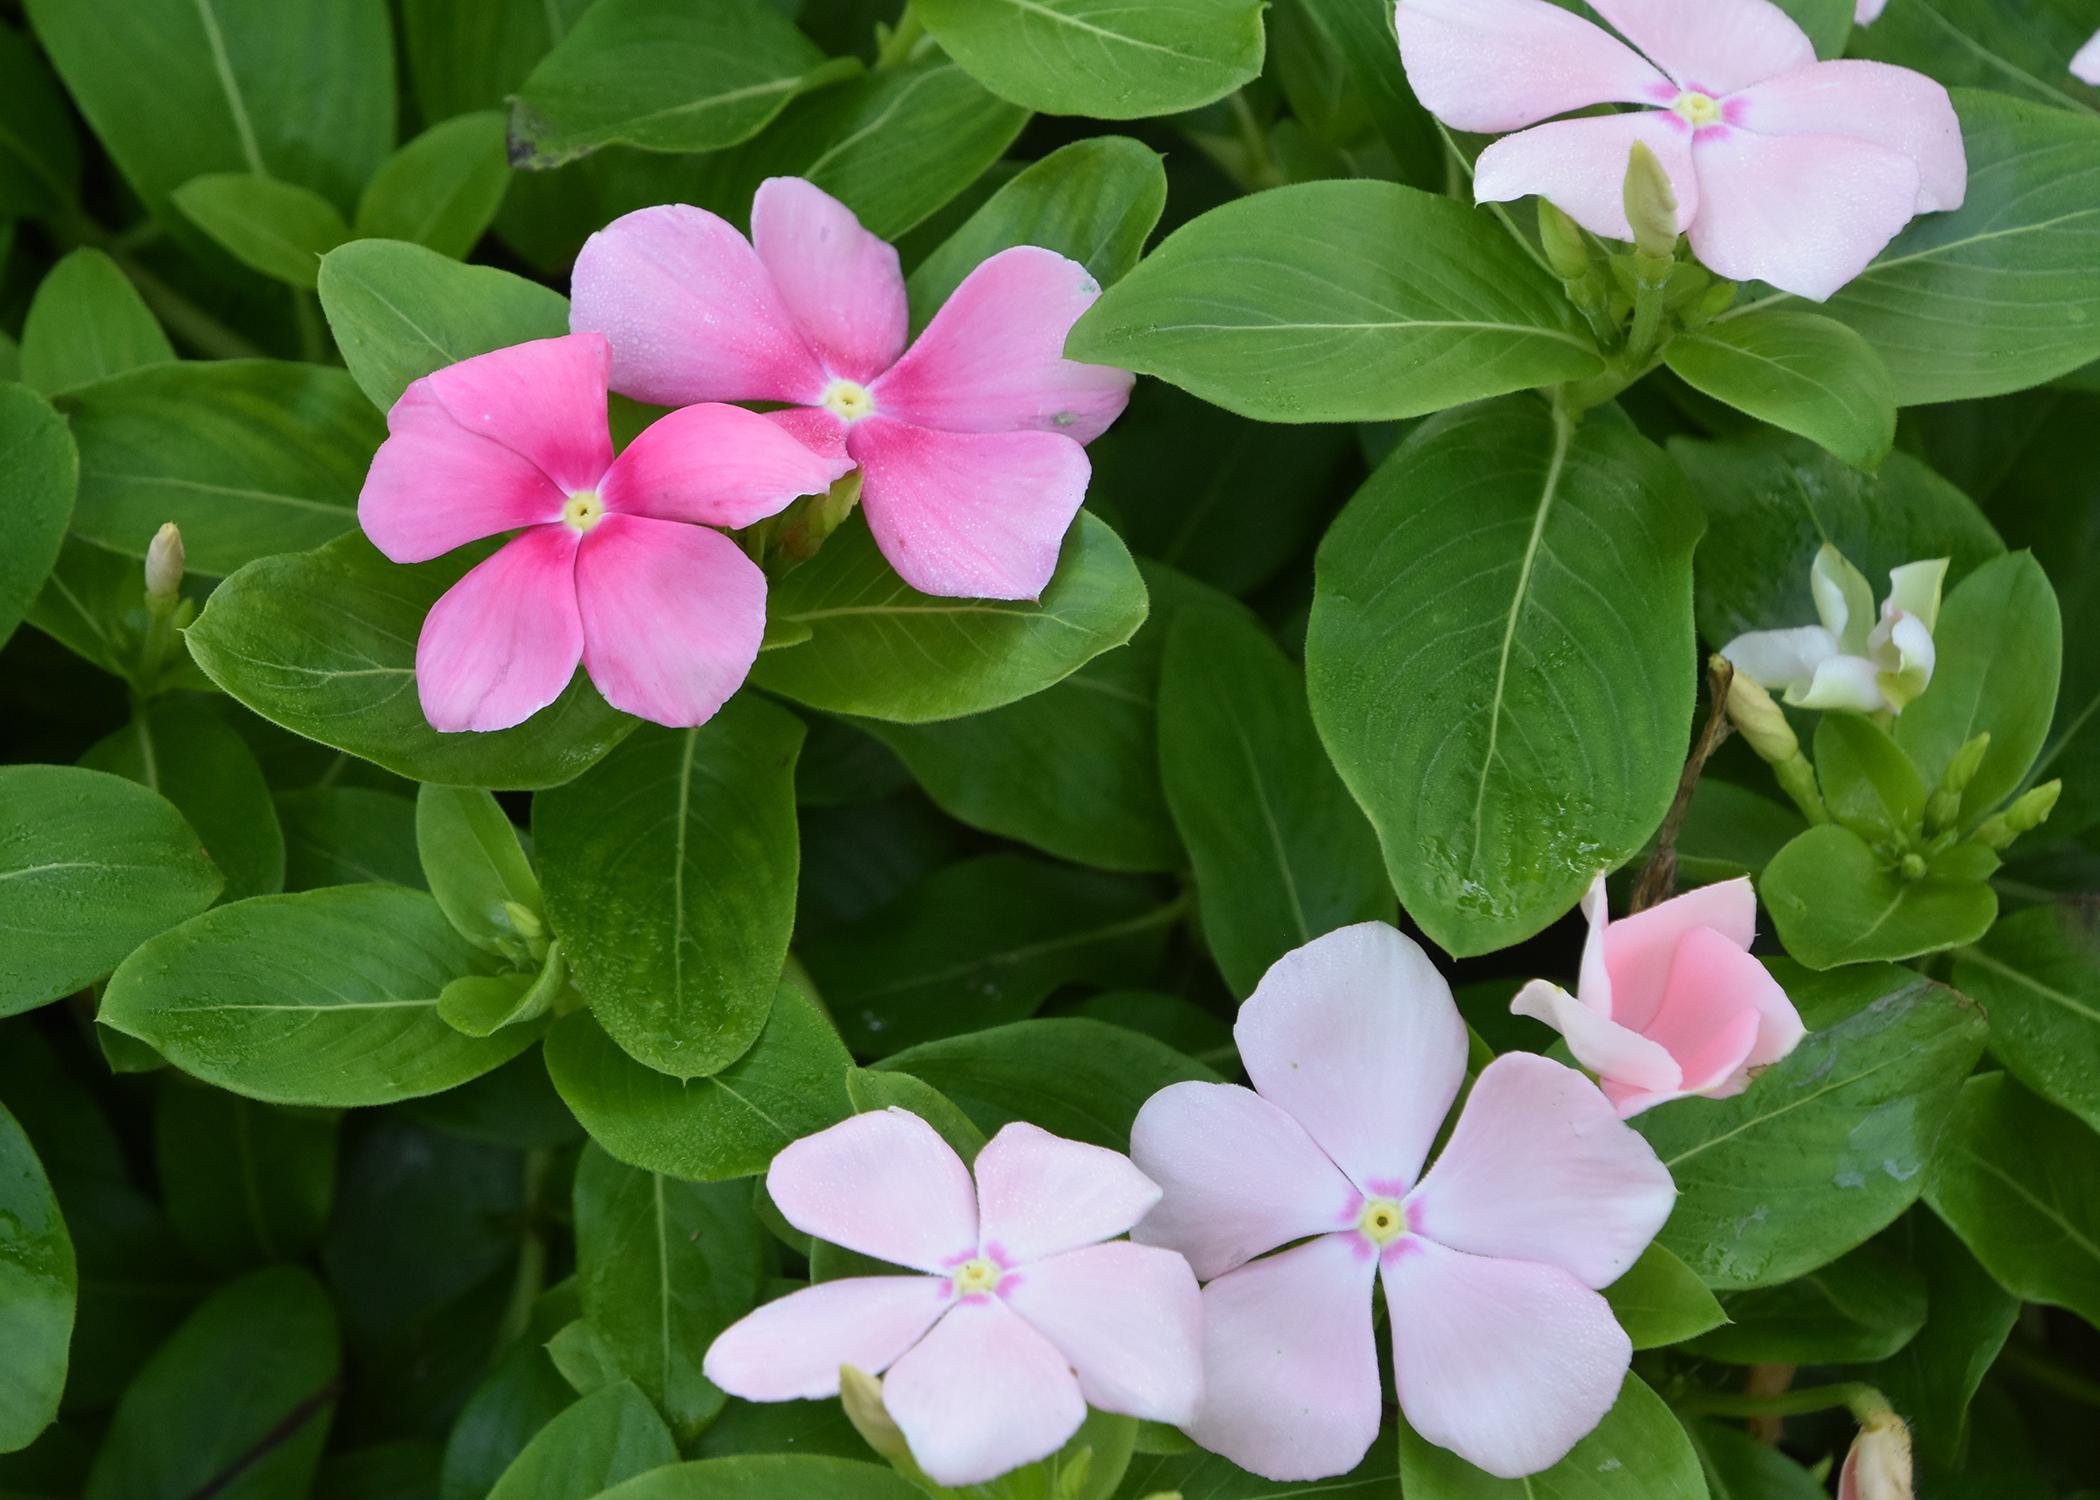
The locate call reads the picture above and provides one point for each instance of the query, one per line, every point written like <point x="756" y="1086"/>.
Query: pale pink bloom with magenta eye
<point x="1025" y="1311"/>
<point x="970" y="442"/>
<point x="1786" y="170"/>
<point x="2085" y="63"/>
<point x="1670" y="1002"/>
<point x="1503" y="1350"/>
<point x="607" y="567"/>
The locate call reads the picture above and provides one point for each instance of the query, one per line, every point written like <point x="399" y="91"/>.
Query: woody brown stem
<point x="1658" y="880"/>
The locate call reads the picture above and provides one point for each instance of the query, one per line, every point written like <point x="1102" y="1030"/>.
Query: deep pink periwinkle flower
<point x="1787" y="170"/>
<point x="1025" y="1311"/>
<point x="1503" y="1350"/>
<point x="608" y="567"/>
<point x="1670" y="1003"/>
<point x="970" y="443"/>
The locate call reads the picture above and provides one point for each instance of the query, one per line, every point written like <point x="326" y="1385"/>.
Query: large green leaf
<point x="468" y="850"/>
<point x="1638" y="1449"/>
<point x="348" y="835"/>
<point x="608" y="1436"/>
<point x="2024" y="50"/>
<point x="521" y="1393"/>
<point x="1968" y="1317"/>
<point x="245" y="1185"/>
<point x="1804" y="373"/>
<point x="1861" y="1307"/>
<point x="2038" y="975"/>
<point x="39" y="156"/>
<point x="36" y="498"/>
<point x="1660" y="1301"/>
<point x="468" y="57"/>
<point x="86" y="323"/>
<point x="769" y="1476"/>
<point x="1741" y="1467"/>
<point x="1500" y="661"/>
<point x="440" y="190"/>
<point x="38" y="1285"/>
<point x="1835" y="900"/>
<point x="277" y="228"/>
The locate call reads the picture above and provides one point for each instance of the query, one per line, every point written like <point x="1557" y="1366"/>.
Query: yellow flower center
<point x="583" y="510"/>
<point x="1383" y="1222"/>
<point x="848" y="400"/>
<point x="974" y="1278"/>
<point x="1697" y="109"/>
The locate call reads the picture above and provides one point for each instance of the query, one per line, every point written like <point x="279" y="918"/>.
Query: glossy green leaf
<point x="1862" y="1307"/>
<point x="1968" y="1317"/>
<point x="1660" y="1301"/>
<point x="244" y="1184"/>
<point x="277" y="228"/>
<point x="769" y="1476"/>
<point x="473" y="865"/>
<point x="2021" y="50"/>
<point x="608" y="1436"/>
<point x="39" y="155"/>
<point x="870" y="1091"/>
<point x="348" y="835"/>
<point x="521" y="1393"/>
<point x="38" y="1286"/>
<point x="442" y="189"/>
<point x="1868" y="783"/>
<point x="36" y="498"/>
<point x="1361" y="39"/>
<point x="1835" y="900"/>
<point x="483" y="1004"/>
<point x="1637" y="1450"/>
<point x="94" y="605"/>
<point x="1741" y="1467"/>
<point x="2037" y="974"/>
<point x="1805" y="373"/>
<point x="86" y="323"/>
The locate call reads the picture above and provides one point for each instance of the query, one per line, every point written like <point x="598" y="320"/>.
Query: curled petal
<point x="434" y="486"/>
<point x="717" y="465"/>
<point x="1903" y="646"/>
<point x="1580" y="167"/>
<point x="1600" y="1044"/>
<point x="1844" y="599"/>
<point x="884" y="1184"/>
<point x="791" y="1349"/>
<point x="504" y="641"/>
<point x="1781" y="660"/>
<point x="1040" y="1195"/>
<point x="981" y="1394"/>
<point x="1914" y="589"/>
<point x="1870" y="101"/>
<point x="1496" y="65"/>
<point x="1128" y="1320"/>
<point x="1715" y="46"/>
<point x="544" y="400"/>
<point x="1713" y="984"/>
<point x="841" y="285"/>
<point x="1845" y="682"/>
<point x="1639" y="949"/>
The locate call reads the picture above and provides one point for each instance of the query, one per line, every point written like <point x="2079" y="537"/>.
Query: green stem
<point x="900" y="41"/>
<point x="1262" y="171"/>
<point x="1855" y="1394"/>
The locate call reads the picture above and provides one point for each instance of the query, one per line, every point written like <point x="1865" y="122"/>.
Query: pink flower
<point x="1786" y="170"/>
<point x="1503" y="1351"/>
<point x="666" y="616"/>
<point x="1671" y="1002"/>
<point x="1867" y="12"/>
<point x="1020" y="1317"/>
<point x="969" y="443"/>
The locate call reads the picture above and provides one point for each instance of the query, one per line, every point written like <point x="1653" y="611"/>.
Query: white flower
<point x="1851" y="661"/>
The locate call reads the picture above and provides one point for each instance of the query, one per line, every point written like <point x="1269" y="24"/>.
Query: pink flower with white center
<point x="1024" y="1311"/>
<point x="1670" y="1001"/>
<point x="2085" y="62"/>
<point x="606" y="568"/>
<point x="970" y="443"/>
<point x="1503" y="1351"/>
<point x="1786" y="170"/>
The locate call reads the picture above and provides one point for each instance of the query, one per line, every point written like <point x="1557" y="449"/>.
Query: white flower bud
<point x="164" y="568"/>
<point x="1878" y="1467"/>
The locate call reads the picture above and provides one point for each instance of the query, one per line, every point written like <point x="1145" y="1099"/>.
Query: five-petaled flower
<point x="1670" y="1002"/>
<point x="969" y="442"/>
<point x="1021" y="1314"/>
<point x="1503" y="1350"/>
<point x="1851" y="660"/>
<point x="1786" y="170"/>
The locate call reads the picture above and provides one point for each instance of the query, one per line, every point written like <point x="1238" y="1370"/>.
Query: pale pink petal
<point x="672" y="617"/>
<point x="691" y="312"/>
<point x="1039" y="1194"/>
<point x="1594" y="981"/>
<point x="884" y="1184"/>
<point x="1712" y="972"/>
<point x="717" y="465"/>
<point x="1539" y="1168"/>
<point x="503" y="642"/>
<point x="1241" y="1176"/>
<point x="1629" y="1099"/>
<point x="1714" y="46"/>
<point x="981" y="1394"/>
<point x="992" y="359"/>
<point x="1580" y="167"/>
<point x="2085" y="62"/>
<point x="969" y="515"/>
<point x="1867" y="12"/>
<point x="1871" y="101"/>
<point x="1290" y="1371"/>
<point x="1803" y="212"/>
<point x="1507" y="1363"/>
<point x="1639" y="949"/>
<point x="1356" y="1037"/>
<point x="791" y="1349"/>
<point x="434" y="486"/>
<point x="842" y="286"/>
<point x="1603" y="1046"/>
<point x="1496" y="65"/>
<point x="1128" y="1320"/>
<point x="545" y="401"/>
<point x="815" y="429"/>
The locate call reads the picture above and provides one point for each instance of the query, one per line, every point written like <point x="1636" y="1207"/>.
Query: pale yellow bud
<point x="164" y="568"/>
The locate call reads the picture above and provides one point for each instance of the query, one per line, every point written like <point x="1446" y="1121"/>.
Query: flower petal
<point x="1507" y="1363"/>
<point x="503" y="642"/>
<point x="2085" y="62"/>
<point x="1128" y="1320"/>
<point x="543" y="400"/>
<point x="1580" y="167"/>
<point x="1715" y="46"/>
<point x="672" y="617"/>
<point x="691" y="312"/>
<point x="1867" y="12"/>
<point x="842" y="286"/>
<point x="992" y="359"/>
<point x="1290" y="1370"/>
<point x="814" y="428"/>
<point x="434" y="486"/>
<point x="1602" y="1045"/>
<point x="1496" y="65"/>
<point x="884" y="1184"/>
<point x="1710" y="963"/>
<point x="981" y="1394"/>
<point x="1639" y="949"/>
<point x="1781" y="659"/>
<point x="1844" y="682"/>
<point x="717" y="465"/>
<point x="791" y="1349"/>
<point x="1870" y="101"/>
<point x="1040" y="1195"/>
<point x="1355" y="1035"/>
<point x="1241" y="1176"/>
<point x="1915" y="589"/>
<point x="1844" y="599"/>
<point x="969" y="515"/>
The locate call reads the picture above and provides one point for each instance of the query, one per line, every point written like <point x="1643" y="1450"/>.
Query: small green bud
<point x="1912" y="866"/>
<point x="1944" y="806"/>
<point x="1561" y="238"/>
<point x="524" y="921"/>
<point x="164" y="569"/>
<point x="2029" y="811"/>
<point x="1651" y="206"/>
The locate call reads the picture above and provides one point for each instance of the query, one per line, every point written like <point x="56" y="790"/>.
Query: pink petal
<point x="1580" y="167"/>
<point x="815" y="429"/>
<point x="545" y="401"/>
<point x="791" y="1349"/>
<point x="434" y="486"/>
<point x="1639" y="949"/>
<point x="691" y="312"/>
<point x="1714" y="46"/>
<point x="969" y="515"/>
<point x="884" y="1184"/>
<point x="2085" y="62"/>
<point x="992" y="359"/>
<point x="1040" y="1195"/>
<point x="1867" y="12"/>
<point x="842" y="286"/>
<point x="1803" y="212"/>
<point x="1507" y="1363"/>
<point x="1356" y="1037"/>
<point x="1715" y="988"/>
<point x="503" y="642"/>
<point x="981" y="1394"/>
<point x="717" y="465"/>
<point x="1606" y="1048"/>
<point x="1290" y="1371"/>
<point x="1871" y="101"/>
<point x="1496" y="65"/>
<point x="1539" y="1168"/>
<point x="1128" y="1320"/>
<point x="1241" y="1176"/>
<point x="672" y="617"/>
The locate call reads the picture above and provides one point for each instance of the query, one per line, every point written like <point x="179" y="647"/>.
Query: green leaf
<point x="2023" y="50"/>
<point x="1500" y="662"/>
<point x="86" y="323"/>
<point x="2037" y="973"/>
<point x="1740" y="1467"/>
<point x="1835" y="901"/>
<point x="36" y="498"/>
<point x="1968" y="1317"/>
<point x="1362" y="40"/>
<point x="1638" y="1449"/>
<point x="442" y="189"/>
<point x="769" y="1476"/>
<point x="466" y="57"/>
<point x="91" y="866"/>
<point x="94" y="605"/>
<point x="870" y="1091"/>
<point x="1868" y="783"/>
<point x="1861" y="1307"/>
<point x="1827" y="22"/>
<point x="1798" y="371"/>
<point x="483" y="1004"/>
<point x="881" y="649"/>
<point x="277" y="228"/>
<point x="474" y="867"/>
<point x="348" y="835"/>
<point x="38" y="1286"/>
<point x="1825" y="1148"/>
<point x="1731" y="831"/>
<point x="521" y="1394"/>
<point x="1197" y="1475"/>
<point x="325" y="998"/>
<point x="608" y="1436"/>
<point x="1659" y="1301"/>
<point x="39" y="156"/>
<point x="1270" y="307"/>
<point x="244" y="1184"/>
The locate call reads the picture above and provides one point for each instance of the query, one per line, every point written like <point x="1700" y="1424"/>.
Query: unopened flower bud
<point x="1566" y="250"/>
<point x="1651" y="206"/>
<point x="164" y="569"/>
<point x="1944" y="806"/>
<point x="2029" y="811"/>
<point x="1878" y="1467"/>
<point x="1761" y="721"/>
<point x="861" y="1395"/>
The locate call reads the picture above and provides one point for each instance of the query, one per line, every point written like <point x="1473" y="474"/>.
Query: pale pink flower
<point x="1878" y="1466"/>
<point x="1503" y="1351"/>
<point x="1021" y="1315"/>
<point x="1786" y="170"/>
<point x="2085" y="63"/>
<point x="1670" y="1002"/>
<point x="606" y="568"/>
<point x="969" y="443"/>
<point x="1867" y="12"/>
